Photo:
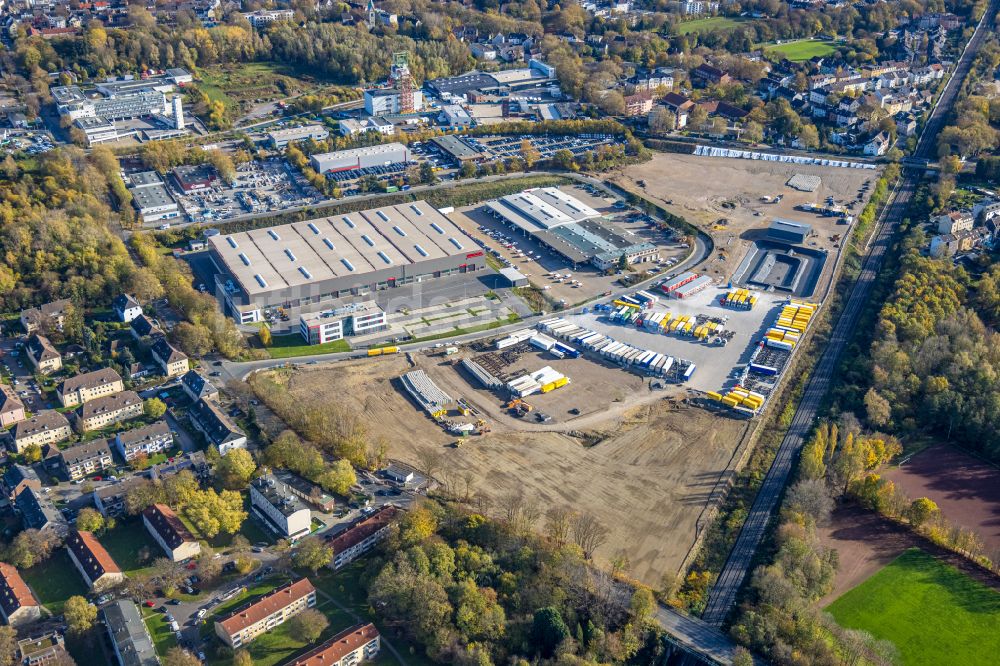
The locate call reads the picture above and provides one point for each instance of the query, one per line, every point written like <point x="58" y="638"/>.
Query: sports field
<point x="932" y="612"/>
<point x="709" y="23"/>
<point x="801" y="50"/>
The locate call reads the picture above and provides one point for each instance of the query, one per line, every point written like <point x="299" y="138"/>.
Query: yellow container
<point x="713" y="395"/>
<point x="374" y="352"/>
<point x="729" y="401"/>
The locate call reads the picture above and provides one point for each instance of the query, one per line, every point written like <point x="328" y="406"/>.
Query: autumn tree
<point x="236" y="468"/>
<point x="80" y="614"/>
<point x="312" y="553"/>
<point x="178" y="656"/>
<point x="308" y="625"/>
<point x="89" y="520"/>
<point x="154" y="408"/>
<point x="338" y="478"/>
<point x="922" y="510"/>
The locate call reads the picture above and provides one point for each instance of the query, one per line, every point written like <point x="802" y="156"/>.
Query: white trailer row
<point x="514" y="338"/>
<point x="633" y="358"/>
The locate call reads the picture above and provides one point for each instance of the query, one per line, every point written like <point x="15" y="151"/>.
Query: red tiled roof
<point x="167" y="525"/>
<point x="14" y="592"/>
<point x="91" y="554"/>
<point x="361" y="530"/>
<point x="337" y="647"/>
<point x="266" y="606"/>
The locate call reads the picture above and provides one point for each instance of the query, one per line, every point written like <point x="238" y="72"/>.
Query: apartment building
<point x="85" y="459"/>
<point x="220" y="431"/>
<point x="143" y="327"/>
<point x="279" y="508"/>
<point x="42" y="649"/>
<point x="17" y="478"/>
<point x="172" y="361"/>
<point x="17" y="604"/>
<point x="362" y="536"/>
<point x="149" y="439"/>
<point x="46" y="427"/>
<point x="306" y="490"/>
<point x="169" y="532"/>
<point x="42" y="354"/>
<point x="351" y="646"/>
<point x="39" y="513"/>
<point x="131" y="641"/>
<point x="197" y="386"/>
<point x="44" y="316"/>
<point x="89" y="386"/>
<point x="11" y="407"/>
<point x="108" y="410"/>
<point x="244" y="625"/>
<point x="94" y="563"/>
<point x="110" y="499"/>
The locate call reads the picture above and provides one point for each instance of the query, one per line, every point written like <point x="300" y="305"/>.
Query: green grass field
<point x="54" y="581"/>
<point x="126" y="541"/>
<point x="159" y="630"/>
<point x="801" y="50"/>
<point x="932" y="612"/>
<point x="291" y="345"/>
<point x="708" y="23"/>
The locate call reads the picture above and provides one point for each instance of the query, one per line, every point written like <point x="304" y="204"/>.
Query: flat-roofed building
<point x="49" y="314"/>
<point x="94" y="563"/>
<point x="148" y="440"/>
<point x="17" y="604"/>
<point x="282" y="137"/>
<point x="359" y="158"/>
<point x="102" y="412"/>
<point x="280" y="508"/>
<point x="84" y="459"/>
<point x="11" y="407"/>
<point x="220" y="431"/>
<point x="131" y="641"/>
<point x="46" y="427"/>
<point x="331" y="259"/>
<point x="244" y="625"/>
<point x="110" y="499"/>
<point x="172" y="361"/>
<point x="43" y="649"/>
<point x="169" y="532"/>
<point x="361" y="536"/>
<point x="789" y="232"/>
<point x="306" y="490"/>
<point x="42" y="354"/>
<point x="96" y="130"/>
<point x="353" y="645"/>
<point x="335" y="324"/>
<point x="89" y="386"/>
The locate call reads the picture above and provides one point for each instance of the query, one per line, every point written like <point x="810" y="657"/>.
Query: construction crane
<point x="402" y="81"/>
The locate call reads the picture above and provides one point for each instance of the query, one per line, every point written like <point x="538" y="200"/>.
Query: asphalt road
<point x="723" y="593"/>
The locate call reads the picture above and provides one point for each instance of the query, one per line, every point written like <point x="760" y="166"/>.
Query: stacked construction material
<point x="540" y="381"/>
<point x="792" y="322"/>
<point x="427" y="394"/>
<point x="514" y="338"/>
<point x="480" y="373"/>
<point x="707" y="329"/>
<point x="741" y="299"/>
<point x="741" y="400"/>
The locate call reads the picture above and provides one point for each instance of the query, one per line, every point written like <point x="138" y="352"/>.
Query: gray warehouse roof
<point x="348" y="244"/>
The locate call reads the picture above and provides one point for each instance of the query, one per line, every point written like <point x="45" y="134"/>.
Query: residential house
<point x="986" y="209"/>
<point x="85" y="459"/>
<point x="306" y="490"/>
<point x="208" y="418"/>
<point x="129" y="637"/>
<point x="43" y="354"/>
<point x="11" y="407"/>
<point x="43" y="650"/>
<point x="955" y="221"/>
<point x="197" y="386"/>
<point x="906" y="124"/>
<point x="97" y="567"/>
<point x="89" y="386"/>
<point x="948" y="245"/>
<point x="146" y="440"/>
<point x="194" y="462"/>
<point x="38" y="512"/>
<point x="143" y="327"/>
<point x="46" y="427"/>
<point x="102" y="412"/>
<point x="280" y="509"/>
<point x="878" y="144"/>
<point x="17" y="478"/>
<point x="638" y="104"/>
<point x="18" y="605"/>
<point x="126" y="307"/>
<point x="44" y="317"/>
<point x="710" y="75"/>
<point x="351" y="646"/>
<point x="169" y="532"/>
<point x="361" y="536"/>
<point x="677" y="102"/>
<point x="244" y="625"/>
<point x="138" y="371"/>
<point x="110" y="499"/>
<point x="171" y="360"/>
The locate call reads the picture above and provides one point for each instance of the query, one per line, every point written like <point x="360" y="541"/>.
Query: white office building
<point x="280" y="508"/>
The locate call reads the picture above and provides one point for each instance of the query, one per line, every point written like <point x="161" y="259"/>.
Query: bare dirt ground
<point x="646" y="468"/>
<point x="966" y="489"/>
<point x="705" y="190"/>
<point x="865" y="542"/>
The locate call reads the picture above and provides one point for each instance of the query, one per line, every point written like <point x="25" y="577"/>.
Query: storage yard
<point x="735" y="200"/>
<point x="645" y="467"/>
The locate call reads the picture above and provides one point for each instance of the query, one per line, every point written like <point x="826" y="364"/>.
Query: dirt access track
<point x="646" y="471"/>
<point x="705" y="190"/>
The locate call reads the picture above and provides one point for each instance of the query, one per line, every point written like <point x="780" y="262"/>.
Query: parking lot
<point x="382" y="172"/>
<point x="510" y="146"/>
<point x="260" y="187"/>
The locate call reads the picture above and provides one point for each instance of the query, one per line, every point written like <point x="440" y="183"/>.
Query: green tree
<point x="235" y="469"/>
<point x="548" y="630"/>
<point x="80" y="614"/>
<point x="922" y="510"/>
<point x="89" y="520"/>
<point x="32" y="453"/>
<point x="642" y="605"/>
<point x="312" y="553"/>
<point x="154" y="408"/>
<point x="8" y="646"/>
<point x="338" y="478"/>
<point x="308" y="625"/>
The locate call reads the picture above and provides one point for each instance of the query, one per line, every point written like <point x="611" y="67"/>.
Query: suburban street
<point x="723" y="593"/>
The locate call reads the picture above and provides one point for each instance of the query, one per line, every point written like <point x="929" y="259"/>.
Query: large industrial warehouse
<point x="568" y="226"/>
<point x="359" y="158"/>
<point x="345" y="255"/>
